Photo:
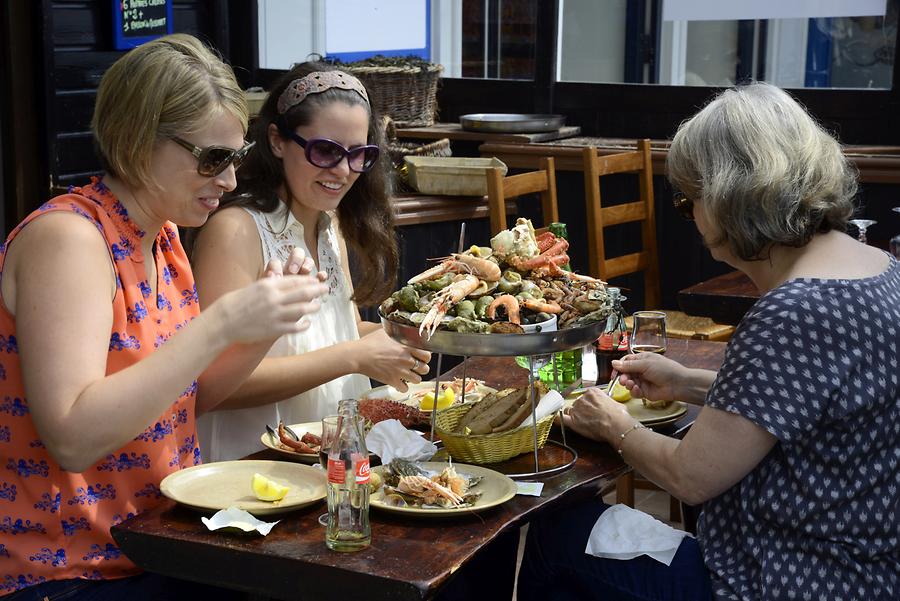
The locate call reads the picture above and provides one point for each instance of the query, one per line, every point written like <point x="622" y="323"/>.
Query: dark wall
<point x="54" y="54"/>
<point x="78" y="37"/>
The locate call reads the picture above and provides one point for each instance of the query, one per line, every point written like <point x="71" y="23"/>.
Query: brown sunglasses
<point x="213" y="160"/>
<point x="684" y="205"/>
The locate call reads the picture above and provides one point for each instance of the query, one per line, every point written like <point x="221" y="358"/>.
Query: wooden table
<point x="409" y="559"/>
<point x="725" y="298"/>
<point x="876" y="164"/>
<point x="455" y="132"/>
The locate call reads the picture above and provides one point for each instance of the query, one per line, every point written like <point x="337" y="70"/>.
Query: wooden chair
<point x="678" y="324"/>
<point x="501" y="189"/>
<point x="640" y="210"/>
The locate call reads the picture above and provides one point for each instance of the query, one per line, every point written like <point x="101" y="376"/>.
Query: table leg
<point x="625" y="489"/>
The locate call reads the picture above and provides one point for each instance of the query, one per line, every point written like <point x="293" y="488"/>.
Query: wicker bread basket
<point x="487" y="448"/>
<point x="406" y="93"/>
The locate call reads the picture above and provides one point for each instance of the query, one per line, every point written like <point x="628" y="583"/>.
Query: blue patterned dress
<point x="815" y="363"/>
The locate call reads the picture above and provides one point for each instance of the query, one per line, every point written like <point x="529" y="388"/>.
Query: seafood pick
<point x="517" y="279"/>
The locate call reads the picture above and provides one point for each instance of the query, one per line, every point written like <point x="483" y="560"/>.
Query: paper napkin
<point x="389" y="440"/>
<point x="624" y="533"/>
<point x="237" y="518"/>
<point x="549" y="403"/>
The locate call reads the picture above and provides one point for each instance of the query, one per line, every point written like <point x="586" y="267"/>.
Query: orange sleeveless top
<point x="55" y="524"/>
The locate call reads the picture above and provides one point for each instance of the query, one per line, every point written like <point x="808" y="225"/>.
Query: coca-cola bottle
<point x="613" y="343"/>
<point x="348" y="484"/>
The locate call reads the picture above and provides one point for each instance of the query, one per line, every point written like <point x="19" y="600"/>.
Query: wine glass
<point x="649" y="333"/>
<point x="862" y="225"/>
<point x="329" y="433"/>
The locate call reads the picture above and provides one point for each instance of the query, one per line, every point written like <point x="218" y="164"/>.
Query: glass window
<point x="498" y="38"/>
<point x="821" y="52"/>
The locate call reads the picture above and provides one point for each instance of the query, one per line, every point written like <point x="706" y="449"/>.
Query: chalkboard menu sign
<point x="139" y="21"/>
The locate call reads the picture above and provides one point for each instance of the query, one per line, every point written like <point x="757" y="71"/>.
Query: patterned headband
<point x="316" y="83"/>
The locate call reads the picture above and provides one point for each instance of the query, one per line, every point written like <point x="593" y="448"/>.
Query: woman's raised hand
<point x="273" y="305"/>
<point x="651" y="376"/>
<point x="297" y="264"/>
<point x="383" y="359"/>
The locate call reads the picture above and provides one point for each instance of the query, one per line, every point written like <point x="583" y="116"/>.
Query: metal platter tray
<point x="511" y="123"/>
<point x="494" y="345"/>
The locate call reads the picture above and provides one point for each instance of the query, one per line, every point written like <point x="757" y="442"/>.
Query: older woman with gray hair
<point x="794" y="455"/>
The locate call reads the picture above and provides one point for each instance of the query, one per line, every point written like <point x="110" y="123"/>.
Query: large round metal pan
<point x="511" y="123"/>
<point x="494" y="345"/>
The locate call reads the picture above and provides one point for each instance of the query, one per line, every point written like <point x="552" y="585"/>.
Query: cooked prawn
<point x="507" y="301"/>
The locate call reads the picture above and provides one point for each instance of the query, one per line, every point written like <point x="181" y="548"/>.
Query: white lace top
<point x="231" y="434"/>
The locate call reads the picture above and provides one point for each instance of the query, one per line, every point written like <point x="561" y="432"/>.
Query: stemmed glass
<point x="329" y="432"/>
<point x="862" y="225"/>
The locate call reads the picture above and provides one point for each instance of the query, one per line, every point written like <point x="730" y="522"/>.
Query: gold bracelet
<point x="636" y="426"/>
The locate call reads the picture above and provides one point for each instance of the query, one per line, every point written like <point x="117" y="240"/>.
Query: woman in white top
<point x="315" y="181"/>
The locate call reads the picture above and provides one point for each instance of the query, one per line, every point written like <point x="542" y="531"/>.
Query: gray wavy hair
<point x="766" y="172"/>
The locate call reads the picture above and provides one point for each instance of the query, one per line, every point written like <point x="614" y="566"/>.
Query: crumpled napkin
<point x="389" y="440"/>
<point x="624" y="533"/>
<point x="237" y="518"/>
<point x="549" y="403"/>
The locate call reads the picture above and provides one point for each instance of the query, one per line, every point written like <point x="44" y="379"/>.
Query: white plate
<point x="496" y="488"/>
<point x="300" y="429"/>
<point x="412" y="399"/>
<point x="214" y="486"/>
<point x="645" y="415"/>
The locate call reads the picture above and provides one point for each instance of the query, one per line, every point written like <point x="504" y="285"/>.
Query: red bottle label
<point x="362" y="469"/>
<point x="337" y="471"/>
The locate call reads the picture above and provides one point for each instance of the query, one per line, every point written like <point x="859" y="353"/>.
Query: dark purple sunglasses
<point x="325" y="153"/>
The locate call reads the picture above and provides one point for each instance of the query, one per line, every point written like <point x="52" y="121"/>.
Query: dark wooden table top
<point x="725" y="298"/>
<point x="410" y="558"/>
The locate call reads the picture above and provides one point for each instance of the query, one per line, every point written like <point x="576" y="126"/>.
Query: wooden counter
<point x="414" y="209"/>
<point x="725" y="298"/>
<point x="876" y="164"/>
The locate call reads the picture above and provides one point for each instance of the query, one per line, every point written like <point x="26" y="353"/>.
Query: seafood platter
<point x="437" y="488"/>
<point x="474" y="303"/>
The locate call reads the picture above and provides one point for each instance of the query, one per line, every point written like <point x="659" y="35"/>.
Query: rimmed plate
<point x="645" y="415"/>
<point x="496" y="489"/>
<point x="300" y="429"/>
<point x="214" y="486"/>
<point x="410" y="397"/>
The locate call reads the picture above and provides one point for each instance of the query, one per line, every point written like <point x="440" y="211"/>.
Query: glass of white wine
<point x="649" y="333"/>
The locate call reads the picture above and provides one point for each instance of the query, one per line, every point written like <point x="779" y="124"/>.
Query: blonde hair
<point x="766" y="173"/>
<point x="170" y="86"/>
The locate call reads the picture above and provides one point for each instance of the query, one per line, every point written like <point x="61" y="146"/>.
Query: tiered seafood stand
<point x="536" y="346"/>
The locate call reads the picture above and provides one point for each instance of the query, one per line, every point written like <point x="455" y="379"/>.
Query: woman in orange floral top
<point x="104" y="353"/>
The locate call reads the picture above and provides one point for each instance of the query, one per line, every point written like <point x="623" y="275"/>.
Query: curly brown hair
<point x="365" y="214"/>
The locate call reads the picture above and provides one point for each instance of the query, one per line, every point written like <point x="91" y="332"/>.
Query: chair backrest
<point x="641" y="210"/>
<point x="500" y="189"/>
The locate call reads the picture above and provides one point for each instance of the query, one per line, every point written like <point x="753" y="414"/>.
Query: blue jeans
<point x="556" y="567"/>
<point x="143" y="587"/>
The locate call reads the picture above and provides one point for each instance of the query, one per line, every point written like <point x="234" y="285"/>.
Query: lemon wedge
<point x="620" y="393"/>
<point x="268" y="490"/>
<point x="445" y="399"/>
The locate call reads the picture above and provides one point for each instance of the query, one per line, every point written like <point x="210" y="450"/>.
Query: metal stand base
<point x="550" y="471"/>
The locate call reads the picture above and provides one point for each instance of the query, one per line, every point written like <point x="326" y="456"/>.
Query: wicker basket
<point x="406" y="94"/>
<point x="487" y="448"/>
